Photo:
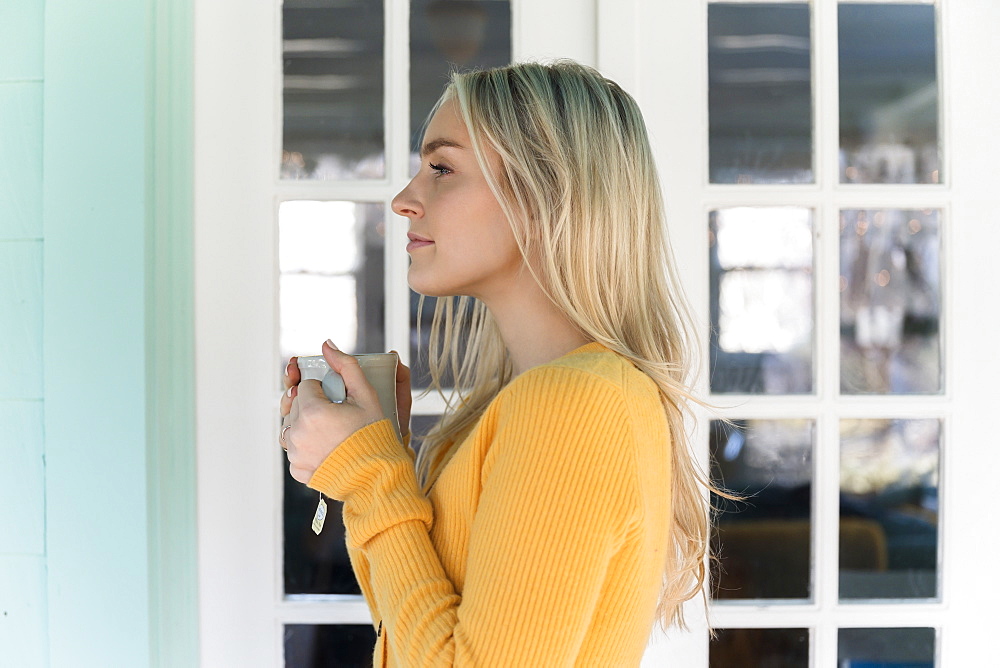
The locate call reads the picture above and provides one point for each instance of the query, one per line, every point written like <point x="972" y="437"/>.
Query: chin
<point x="427" y="288"/>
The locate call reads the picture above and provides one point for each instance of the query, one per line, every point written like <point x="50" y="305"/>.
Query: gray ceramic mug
<point x="379" y="369"/>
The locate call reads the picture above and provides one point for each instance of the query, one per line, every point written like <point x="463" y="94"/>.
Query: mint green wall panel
<point x="22" y="494"/>
<point x="20" y="159"/>
<point x="22" y="612"/>
<point x="96" y="161"/>
<point x="21" y="43"/>
<point x="20" y="320"/>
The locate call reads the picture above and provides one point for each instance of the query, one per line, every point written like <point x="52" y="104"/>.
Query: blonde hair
<point x="578" y="183"/>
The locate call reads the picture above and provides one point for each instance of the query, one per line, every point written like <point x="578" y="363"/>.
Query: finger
<point x="402" y="372"/>
<point x="349" y="369"/>
<point x="292" y="373"/>
<point x="299" y="474"/>
<point x="293" y="411"/>
<point x="286" y="400"/>
<point x="309" y="392"/>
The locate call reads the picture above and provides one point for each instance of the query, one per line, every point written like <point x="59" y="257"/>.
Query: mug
<point x="379" y="369"/>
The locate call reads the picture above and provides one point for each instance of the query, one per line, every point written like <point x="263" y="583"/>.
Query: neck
<point x="533" y="329"/>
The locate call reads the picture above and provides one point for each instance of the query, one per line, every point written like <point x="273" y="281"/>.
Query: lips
<point x="416" y="241"/>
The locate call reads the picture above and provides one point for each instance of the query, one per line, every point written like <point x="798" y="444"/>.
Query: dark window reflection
<point x="314" y="564"/>
<point x="333" y="118"/>
<point x="763" y="544"/>
<point x="889" y="648"/>
<point x="760" y="648"/>
<point x="420" y="425"/>
<point x="890" y="286"/>
<point x="760" y="93"/>
<point x="761" y="300"/>
<point x="889" y="508"/>
<point x="324" y="645"/>
<point x="446" y="35"/>
<point x="888" y="94"/>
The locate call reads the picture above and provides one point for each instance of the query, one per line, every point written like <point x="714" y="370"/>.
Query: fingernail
<point x="332" y="344"/>
<point x="290" y="390"/>
<point x="287" y="367"/>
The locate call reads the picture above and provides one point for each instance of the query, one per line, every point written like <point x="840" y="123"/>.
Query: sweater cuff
<point x="374" y="477"/>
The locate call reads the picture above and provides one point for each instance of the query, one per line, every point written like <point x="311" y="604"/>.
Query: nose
<point x="406" y="203"/>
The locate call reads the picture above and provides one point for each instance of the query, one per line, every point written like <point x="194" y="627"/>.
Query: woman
<point x="555" y="511"/>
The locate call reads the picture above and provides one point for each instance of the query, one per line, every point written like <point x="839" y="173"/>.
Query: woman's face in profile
<point x="461" y="242"/>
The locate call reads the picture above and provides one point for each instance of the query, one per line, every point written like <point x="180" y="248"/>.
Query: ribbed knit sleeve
<point x="559" y="497"/>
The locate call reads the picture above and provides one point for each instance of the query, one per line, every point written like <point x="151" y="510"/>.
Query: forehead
<point x="447" y="124"/>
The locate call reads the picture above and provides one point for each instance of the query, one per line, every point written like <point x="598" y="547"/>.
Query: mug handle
<point x="334" y="388"/>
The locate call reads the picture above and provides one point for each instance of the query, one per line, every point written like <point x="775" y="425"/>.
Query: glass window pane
<point x="447" y="35"/>
<point x="331" y="259"/>
<point x="420" y="425"/>
<point x="889" y="508"/>
<point x="314" y="564"/>
<point x="759" y="93"/>
<point x="886" y="648"/>
<point x="331" y="286"/>
<point x="890" y="301"/>
<point x="764" y="543"/>
<point x="333" y="90"/>
<point x="761" y="264"/>
<point x="773" y="648"/>
<point x="323" y="645"/>
<point x="888" y="94"/>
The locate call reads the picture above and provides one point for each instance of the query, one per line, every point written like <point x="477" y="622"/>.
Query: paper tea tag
<point x="320" y="517"/>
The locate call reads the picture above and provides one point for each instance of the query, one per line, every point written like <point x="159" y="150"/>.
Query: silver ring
<point x="283" y="430"/>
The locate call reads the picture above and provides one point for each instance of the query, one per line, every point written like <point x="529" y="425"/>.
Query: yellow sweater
<point x="543" y="540"/>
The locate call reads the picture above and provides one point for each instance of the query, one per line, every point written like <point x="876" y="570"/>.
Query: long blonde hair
<point x="578" y="183"/>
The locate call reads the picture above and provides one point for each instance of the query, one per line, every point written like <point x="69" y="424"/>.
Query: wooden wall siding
<point x="23" y="627"/>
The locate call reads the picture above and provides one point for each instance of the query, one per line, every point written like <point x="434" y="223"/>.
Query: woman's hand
<point x="313" y="426"/>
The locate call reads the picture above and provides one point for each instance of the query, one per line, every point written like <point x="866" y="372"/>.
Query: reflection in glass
<point x="332" y="286"/>
<point x="889" y="648"/>
<point x="780" y="648"/>
<point x="890" y="301"/>
<point x="764" y="543"/>
<point x="333" y="118"/>
<point x="322" y="645"/>
<point x="761" y="301"/>
<point x="759" y="93"/>
<point x="889" y="508"/>
<point x="888" y="94"/>
<point x="447" y="35"/>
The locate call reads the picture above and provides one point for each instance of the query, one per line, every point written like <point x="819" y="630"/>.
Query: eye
<point x="439" y="170"/>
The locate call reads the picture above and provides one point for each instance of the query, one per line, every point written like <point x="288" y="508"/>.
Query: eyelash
<point x="440" y="169"/>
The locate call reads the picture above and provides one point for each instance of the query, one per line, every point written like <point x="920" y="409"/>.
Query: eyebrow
<point x="435" y="144"/>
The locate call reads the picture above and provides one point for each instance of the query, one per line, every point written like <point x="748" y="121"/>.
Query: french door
<point x="824" y="175"/>
<point x="827" y="174"/>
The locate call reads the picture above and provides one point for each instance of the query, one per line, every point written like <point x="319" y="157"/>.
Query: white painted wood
<point x="235" y="315"/>
<point x="668" y="82"/>
<point x="546" y="29"/>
